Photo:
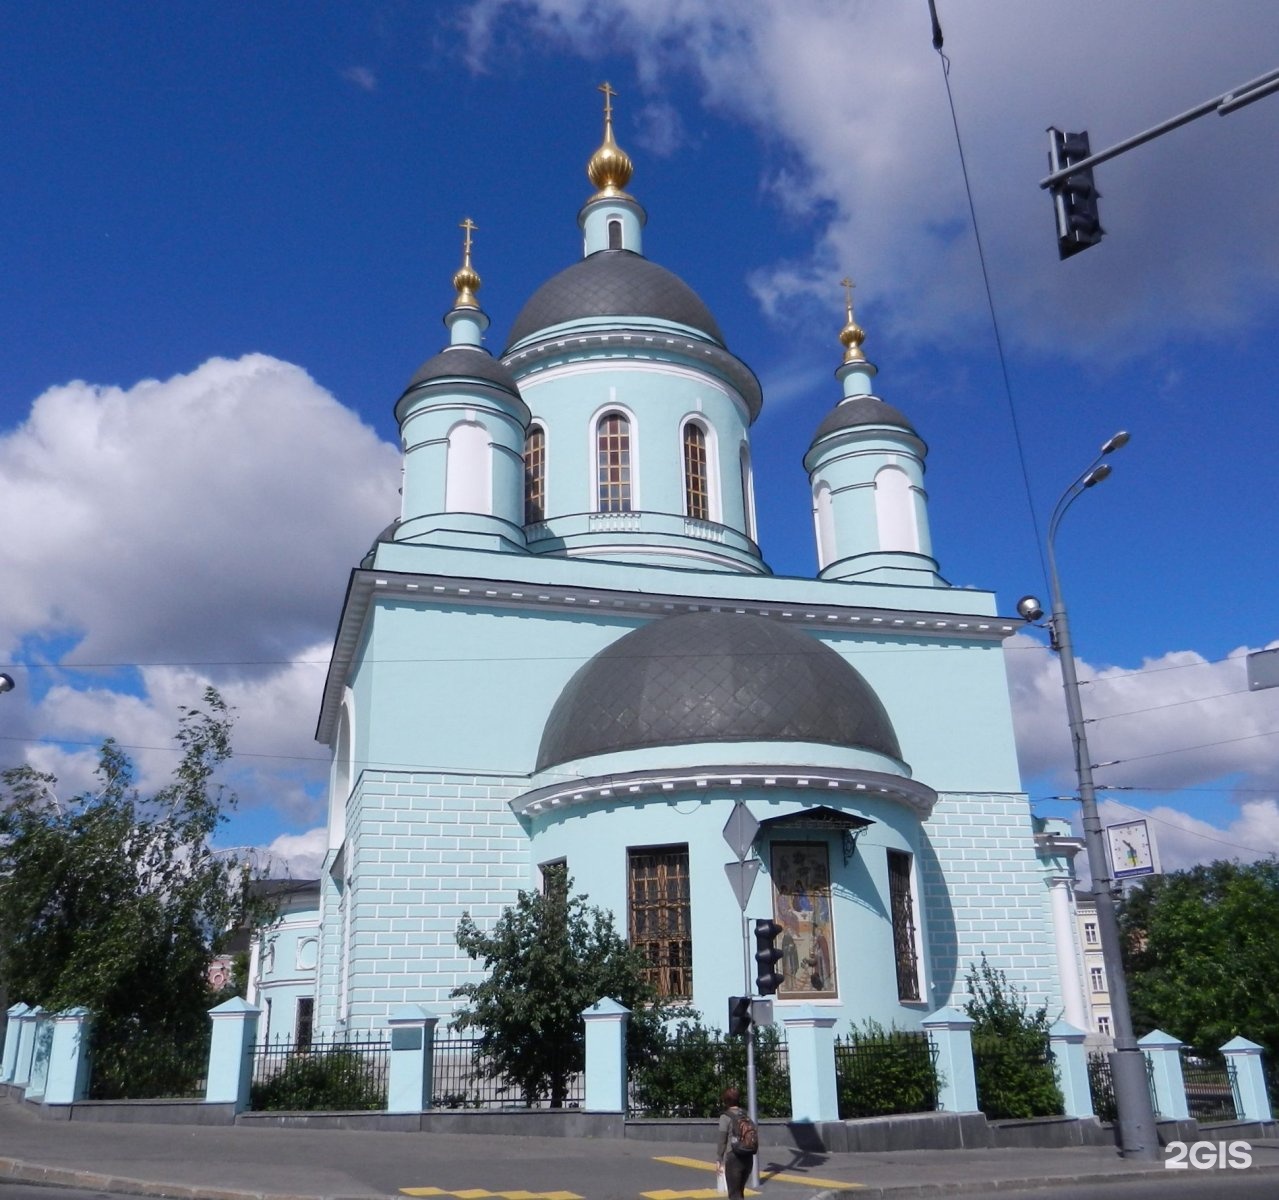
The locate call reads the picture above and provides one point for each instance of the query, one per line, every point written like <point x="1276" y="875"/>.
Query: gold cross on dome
<point x="609" y="93"/>
<point x="848" y="285"/>
<point x="470" y="227"/>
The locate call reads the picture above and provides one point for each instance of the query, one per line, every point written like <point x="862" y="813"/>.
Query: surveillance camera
<point x="1029" y="609"/>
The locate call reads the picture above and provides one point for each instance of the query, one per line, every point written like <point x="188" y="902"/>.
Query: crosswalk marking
<point x="700" y="1164"/>
<point x="482" y="1194"/>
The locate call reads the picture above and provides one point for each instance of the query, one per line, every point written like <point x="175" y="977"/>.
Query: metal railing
<point x="692" y="1068"/>
<point x="339" y="1075"/>
<point x="1212" y="1092"/>
<point x="149" y="1068"/>
<point x="877" y="1076"/>
<point x="462" y="1077"/>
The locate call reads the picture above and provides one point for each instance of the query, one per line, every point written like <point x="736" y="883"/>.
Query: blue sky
<point x="227" y="241"/>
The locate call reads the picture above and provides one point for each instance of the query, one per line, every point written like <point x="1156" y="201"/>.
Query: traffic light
<point x="767" y="955"/>
<point x="1075" y="197"/>
<point x="739" y="1014"/>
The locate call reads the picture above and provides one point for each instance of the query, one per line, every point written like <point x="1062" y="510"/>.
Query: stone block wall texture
<point x="984" y="891"/>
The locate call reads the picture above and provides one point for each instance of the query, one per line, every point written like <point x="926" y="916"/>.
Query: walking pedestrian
<point x="734" y="1161"/>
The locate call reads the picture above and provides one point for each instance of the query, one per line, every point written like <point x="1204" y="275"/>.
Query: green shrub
<point x="1014" y="1066"/>
<point x="683" y="1074"/>
<point x="333" y="1081"/>
<point x="884" y="1071"/>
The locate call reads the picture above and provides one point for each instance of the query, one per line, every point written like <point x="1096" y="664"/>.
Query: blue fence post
<point x="40" y="1050"/>
<point x="68" y="1077"/>
<point x="810" y="1053"/>
<point x="27" y="1022"/>
<point x="11" y="1032"/>
<point x="1249" y="1078"/>
<point x="951" y="1032"/>
<point x="605" y="1056"/>
<point x="408" y="1088"/>
<point x="1163" y="1052"/>
<point x="235" y="1029"/>
<point x="1071" y="1061"/>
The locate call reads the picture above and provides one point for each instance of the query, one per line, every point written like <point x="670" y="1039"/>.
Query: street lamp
<point x="6" y="683"/>
<point x="1136" y="1119"/>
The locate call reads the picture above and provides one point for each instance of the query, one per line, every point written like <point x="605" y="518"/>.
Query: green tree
<point x="115" y="902"/>
<point x="1011" y="1059"/>
<point x="1201" y="952"/>
<point x="548" y="958"/>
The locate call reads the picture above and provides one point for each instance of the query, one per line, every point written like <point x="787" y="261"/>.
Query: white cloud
<point x="1184" y="840"/>
<point x="297" y="856"/>
<point x="184" y="524"/>
<point x="850" y="99"/>
<point x="362" y="77"/>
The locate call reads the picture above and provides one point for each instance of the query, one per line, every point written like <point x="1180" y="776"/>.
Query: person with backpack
<point x="738" y="1142"/>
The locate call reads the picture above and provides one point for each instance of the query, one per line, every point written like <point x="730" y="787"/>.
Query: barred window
<point x="555" y="878"/>
<point x="696" y="488"/>
<point x="660" y="917"/>
<point x="535" y="475"/>
<point x="613" y="457"/>
<point x="903" y="911"/>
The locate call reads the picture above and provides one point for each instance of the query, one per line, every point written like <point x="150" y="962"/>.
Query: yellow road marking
<point x="701" y="1164"/>
<point x="481" y="1194"/>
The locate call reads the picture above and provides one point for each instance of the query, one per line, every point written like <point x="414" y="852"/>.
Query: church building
<point x="568" y="654"/>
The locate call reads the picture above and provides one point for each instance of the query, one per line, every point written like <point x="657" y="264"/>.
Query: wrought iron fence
<point x="685" y="1076"/>
<point x="339" y="1075"/>
<point x="463" y="1077"/>
<point x="881" y="1074"/>
<point x="148" y="1067"/>
<point x="1211" y="1088"/>
<point x="1101" y="1085"/>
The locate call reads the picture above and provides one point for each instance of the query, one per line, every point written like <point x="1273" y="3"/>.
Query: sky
<point x="227" y="233"/>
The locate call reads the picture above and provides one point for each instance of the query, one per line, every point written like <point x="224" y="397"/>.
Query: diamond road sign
<point x="740" y="829"/>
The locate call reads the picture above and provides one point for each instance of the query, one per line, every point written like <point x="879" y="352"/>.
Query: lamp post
<point x="1138" y="1138"/>
<point x="6" y="683"/>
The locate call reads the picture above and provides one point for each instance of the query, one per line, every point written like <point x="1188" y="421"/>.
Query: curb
<point x="14" y="1170"/>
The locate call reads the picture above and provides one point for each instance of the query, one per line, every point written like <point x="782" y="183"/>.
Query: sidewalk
<point x="239" y="1163"/>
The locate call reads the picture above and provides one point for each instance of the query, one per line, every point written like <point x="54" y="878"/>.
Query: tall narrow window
<point x="613" y="459"/>
<point x="697" y="501"/>
<point x="615" y="235"/>
<point x="660" y="917"/>
<point x="304" y="1023"/>
<point x="748" y="493"/>
<point x="555" y="878"/>
<point x="535" y="475"/>
<point x="468" y="469"/>
<point x="903" y="911"/>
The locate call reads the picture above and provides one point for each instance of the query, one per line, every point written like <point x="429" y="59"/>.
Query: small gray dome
<point x="714" y="677"/>
<point x="465" y="362"/>
<point x="861" y="410"/>
<point x="613" y="283"/>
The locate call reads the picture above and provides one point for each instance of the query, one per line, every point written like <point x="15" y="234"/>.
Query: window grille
<point x="305" y="1022"/>
<point x="660" y="917"/>
<point x="535" y="476"/>
<point x="903" y="911"/>
<point x="613" y="455"/>
<point x="696" y="488"/>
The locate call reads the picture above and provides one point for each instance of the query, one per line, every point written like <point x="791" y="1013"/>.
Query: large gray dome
<point x="714" y="677"/>
<point x="613" y="283"/>
<point x="465" y="362"/>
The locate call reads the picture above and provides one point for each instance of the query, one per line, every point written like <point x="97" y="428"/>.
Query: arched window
<point x="615" y="235"/>
<point x="895" y="511"/>
<point x="697" y="501"/>
<point x="613" y="463"/>
<point x="824" y="516"/>
<point x="535" y="475"/>
<point x="468" y="469"/>
<point x="748" y="493"/>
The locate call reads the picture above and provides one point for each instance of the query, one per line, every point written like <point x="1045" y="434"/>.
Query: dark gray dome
<point x="714" y="677"/>
<point x="465" y="362"/>
<point x="862" y="410"/>
<point x="613" y="283"/>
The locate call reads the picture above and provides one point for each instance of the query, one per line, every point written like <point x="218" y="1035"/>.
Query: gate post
<point x="951" y="1032"/>
<point x="605" y="1056"/>
<point x="235" y="1029"/>
<point x="1067" y="1043"/>
<point x="1249" y="1081"/>
<point x="810" y="1051"/>
<point x="1163" y="1052"/>
<point x="68" y="1078"/>
<point x="408" y="1088"/>
<point x="27" y="1023"/>
<point x="11" y="1033"/>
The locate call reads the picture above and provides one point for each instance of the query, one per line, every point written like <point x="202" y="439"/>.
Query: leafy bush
<point x="684" y="1072"/>
<point x="149" y="1066"/>
<point x="883" y="1071"/>
<point x="334" y="1081"/>
<point x="1014" y="1067"/>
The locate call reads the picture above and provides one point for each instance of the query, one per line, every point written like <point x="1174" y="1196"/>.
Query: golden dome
<point x="610" y="167"/>
<point x="466" y="279"/>
<point x="852" y="335"/>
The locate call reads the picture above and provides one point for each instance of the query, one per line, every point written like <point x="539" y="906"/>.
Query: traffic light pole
<point x="1223" y="105"/>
